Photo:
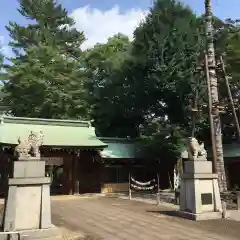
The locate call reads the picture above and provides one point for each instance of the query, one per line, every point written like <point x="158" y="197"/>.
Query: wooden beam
<point x="230" y="97"/>
<point x="214" y="150"/>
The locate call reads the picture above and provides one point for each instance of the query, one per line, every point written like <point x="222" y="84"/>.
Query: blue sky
<point x="103" y="18"/>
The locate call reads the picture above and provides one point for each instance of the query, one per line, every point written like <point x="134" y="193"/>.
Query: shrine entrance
<point x="62" y="141"/>
<point x="5" y="169"/>
<point x="56" y="174"/>
<point x="73" y="172"/>
<point x="90" y="168"/>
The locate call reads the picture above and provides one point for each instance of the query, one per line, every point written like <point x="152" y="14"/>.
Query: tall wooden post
<point x="214" y="153"/>
<point x="158" y="191"/>
<point x="220" y="169"/>
<point x="75" y="174"/>
<point x="129" y="186"/>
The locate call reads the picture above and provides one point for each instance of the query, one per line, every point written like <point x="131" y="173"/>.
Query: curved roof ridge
<point x="118" y="139"/>
<point x="44" y="121"/>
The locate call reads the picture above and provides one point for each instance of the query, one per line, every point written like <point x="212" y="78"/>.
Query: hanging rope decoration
<point x="142" y="183"/>
<point x="143" y="186"/>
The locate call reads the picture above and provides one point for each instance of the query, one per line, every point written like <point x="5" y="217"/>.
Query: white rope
<point x="142" y="183"/>
<point x="143" y="188"/>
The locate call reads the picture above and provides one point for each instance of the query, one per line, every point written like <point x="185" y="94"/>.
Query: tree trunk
<point x="220" y="169"/>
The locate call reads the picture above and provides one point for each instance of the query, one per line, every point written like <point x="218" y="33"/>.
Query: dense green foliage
<point x="145" y="88"/>
<point x="228" y="46"/>
<point x="46" y="78"/>
<point x="162" y="75"/>
<point x="105" y="65"/>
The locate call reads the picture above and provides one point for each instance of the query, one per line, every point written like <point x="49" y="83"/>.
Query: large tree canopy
<point x="46" y="77"/>
<point x="168" y="45"/>
<point x="145" y="88"/>
<point x="111" y="106"/>
<point x="162" y="76"/>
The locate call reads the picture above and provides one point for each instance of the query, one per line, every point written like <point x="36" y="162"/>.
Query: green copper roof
<point x="58" y="133"/>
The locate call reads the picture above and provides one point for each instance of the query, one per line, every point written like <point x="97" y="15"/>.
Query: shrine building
<point x="76" y="159"/>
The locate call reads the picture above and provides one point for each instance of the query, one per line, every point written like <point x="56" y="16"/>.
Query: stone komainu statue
<point x="30" y="146"/>
<point x="196" y="151"/>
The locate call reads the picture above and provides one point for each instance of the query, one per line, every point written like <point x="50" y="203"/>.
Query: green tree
<point x="3" y="108"/>
<point x="162" y="76"/>
<point x="226" y="42"/>
<point x="163" y="139"/>
<point x="169" y="45"/>
<point x="111" y="106"/>
<point x="46" y="78"/>
<point x="229" y="47"/>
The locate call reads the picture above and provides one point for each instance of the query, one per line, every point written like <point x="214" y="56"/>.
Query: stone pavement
<point x="118" y="219"/>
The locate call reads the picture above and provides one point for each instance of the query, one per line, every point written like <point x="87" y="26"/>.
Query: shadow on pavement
<point x="171" y="213"/>
<point x="222" y="227"/>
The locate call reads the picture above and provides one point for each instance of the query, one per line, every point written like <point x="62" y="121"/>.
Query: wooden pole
<point x="158" y="192"/>
<point x="129" y="187"/>
<point x="194" y="112"/>
<point x="170" y="182"/>
<point x="238" y="111"/>
<point x="238" y="200"/>
<point x="214" y="152"/>
<point x="214" y="96"/>
<point x="230" y="97"/>
<point x="75" y="160"/>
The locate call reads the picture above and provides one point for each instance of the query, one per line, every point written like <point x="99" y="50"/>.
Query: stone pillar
<point x="65" y="177"/>
<point x="75" y="178"/>
<point x="68" y="176"/>
<point x="27" y="207"/>
<point x="75" y="170"/>
<point x="199" y="194"/>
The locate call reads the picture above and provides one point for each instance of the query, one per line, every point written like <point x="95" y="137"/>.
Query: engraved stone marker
<point x="206" y="198"/>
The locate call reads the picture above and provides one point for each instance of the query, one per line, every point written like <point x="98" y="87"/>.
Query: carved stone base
<point x="50" y="233"/>
<point x="27" y="205"/>
<point x="27" y="208"/>
<point x="201" y="216"/>
<point x="199" y="193"/>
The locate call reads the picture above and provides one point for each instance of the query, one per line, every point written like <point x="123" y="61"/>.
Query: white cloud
<point x="4" y="48"/>
<point x="7" y="51"/>
<point x="99" y="25"/>
<point x="1" y="40"/>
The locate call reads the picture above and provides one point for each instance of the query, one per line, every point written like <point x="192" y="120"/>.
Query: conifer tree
<point x="46" y="78"/>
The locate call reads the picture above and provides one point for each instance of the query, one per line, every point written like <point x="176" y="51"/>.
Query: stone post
<point x="27" y="208"/>
<point x="199" y="193"/>
<point x="238" y="200"/>
<point x="76" y="180"/>
<point x="75" y="175"/>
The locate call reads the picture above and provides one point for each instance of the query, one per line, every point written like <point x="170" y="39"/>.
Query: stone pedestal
<point x="199" y="194"/>
<point x="27" y="209"/>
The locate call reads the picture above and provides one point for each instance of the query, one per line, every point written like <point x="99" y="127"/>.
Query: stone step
<point x="50" y="233"/>
<point x="41" y="233"/>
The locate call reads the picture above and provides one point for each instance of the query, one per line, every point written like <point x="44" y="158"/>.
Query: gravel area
<point x="117" y="219"/>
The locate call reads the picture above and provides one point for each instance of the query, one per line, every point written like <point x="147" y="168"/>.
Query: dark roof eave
<point x="55" y="146"/>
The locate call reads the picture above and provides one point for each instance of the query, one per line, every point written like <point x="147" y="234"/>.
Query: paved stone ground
<point x="118" y="219"/>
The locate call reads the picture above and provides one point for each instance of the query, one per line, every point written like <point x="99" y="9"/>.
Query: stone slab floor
<point x="118" y="219"/>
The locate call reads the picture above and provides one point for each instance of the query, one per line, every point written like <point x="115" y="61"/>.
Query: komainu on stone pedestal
<point x="27" y="207"/>
<point x="29" y="147"/>
<point x="199" y="193"/>
<point x="196" y="151"/>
